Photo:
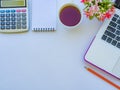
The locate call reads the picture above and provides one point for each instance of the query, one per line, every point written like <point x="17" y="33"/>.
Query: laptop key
<point x="109" y="40"/>
<point x="118" y="21"/>
<point x="118" y="45"/>
<point x="118" y="38"/>
<point x="117" y="32"/>
<point x="113" y="24"/>
<point x="118" y="27"/>
<point x="104" y="37"/>
<point x="111" y="29"/>
<point x="116" y="15"/>
<point x="110" y="34"/>
<point x="114" y="42"/>
<point x="114" y="19"/>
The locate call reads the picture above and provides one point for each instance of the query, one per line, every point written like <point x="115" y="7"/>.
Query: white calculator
<point x="14" y="16"/>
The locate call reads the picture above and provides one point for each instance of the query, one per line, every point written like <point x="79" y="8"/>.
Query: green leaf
<point x="91" y="17"/>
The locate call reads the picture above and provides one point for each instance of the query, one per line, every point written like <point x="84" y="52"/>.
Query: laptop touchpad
<point x="116" y="69"/>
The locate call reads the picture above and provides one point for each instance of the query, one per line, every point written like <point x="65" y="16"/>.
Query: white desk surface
<point x="49" y="60"/>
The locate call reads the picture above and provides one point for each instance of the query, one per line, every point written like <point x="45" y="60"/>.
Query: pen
<point x="103" y="78"/>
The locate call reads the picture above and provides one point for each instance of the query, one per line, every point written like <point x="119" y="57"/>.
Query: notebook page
<point x="44" y="15"/>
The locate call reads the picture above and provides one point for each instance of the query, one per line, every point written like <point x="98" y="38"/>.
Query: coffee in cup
<point x="70" y="15"/>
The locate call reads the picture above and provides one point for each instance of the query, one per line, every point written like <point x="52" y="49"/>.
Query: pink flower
<point x="84" y="1"/>
<point x="88" y="14"/>
<point x="110" y="12"/>
<point x="107" y="15"/>
<point x="92" y="11"/>
<point x="102" y="17"/>
<point x="97" y="1"/>
<point x="97" y="8"/>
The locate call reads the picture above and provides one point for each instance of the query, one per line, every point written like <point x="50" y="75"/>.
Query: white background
<point x="49" y="60"/>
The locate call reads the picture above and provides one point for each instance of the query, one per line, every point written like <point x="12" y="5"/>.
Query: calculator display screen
<point x="12" y="3"/>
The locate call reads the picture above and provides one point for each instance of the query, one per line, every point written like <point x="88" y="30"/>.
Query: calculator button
<point x="2" y="11"/>
<point x="7" y="27"/>
<point x="18" y="10"/>
<point x="12" y="11"/>
<point x="18" y="19"/>
<point x="7" y="23"/>
<point x="7" y="19"/>
<point x="2" y="19"/>
<point x="24" y="26"/>
<point x="23" y="10"/>
<point x="13" y="15"/>
<point x="13" y="23"/>
<point x="18" y="23"/>
<point x="7" y="11"/>
<point x="24" y="18"/>
<point x="13" y="19"/>
<point x="23" y="14"/>
<point x="13" y="27"/>
<point x="2" y="27"/>
<point x="7" y="15"/>
<point x="2" y="23"/>
<point x="19" y="27"/>
<point x="18" y="14"/>
<point x="2" y="15"/>
<point x="24" y="22"/>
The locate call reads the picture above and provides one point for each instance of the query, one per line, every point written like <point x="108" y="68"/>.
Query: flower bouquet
<point x="101" y="9"/>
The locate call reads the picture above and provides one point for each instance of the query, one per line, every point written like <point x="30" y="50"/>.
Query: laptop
<point x="104" y="51"/>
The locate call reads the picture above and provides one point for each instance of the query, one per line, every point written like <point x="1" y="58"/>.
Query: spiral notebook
<point x="43" y="15"/>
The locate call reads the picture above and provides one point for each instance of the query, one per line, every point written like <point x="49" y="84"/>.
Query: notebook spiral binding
<point x="44" y="29"/>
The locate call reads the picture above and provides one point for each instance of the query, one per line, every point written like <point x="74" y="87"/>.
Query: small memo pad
<point x="44" y="15"/>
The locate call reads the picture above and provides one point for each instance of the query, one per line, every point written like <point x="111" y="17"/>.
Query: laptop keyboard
<point x="112" y="33"/>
